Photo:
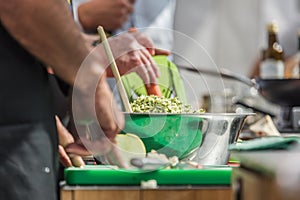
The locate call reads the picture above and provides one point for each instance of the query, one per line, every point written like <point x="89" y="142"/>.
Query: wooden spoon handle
<point x="115" y="70"/>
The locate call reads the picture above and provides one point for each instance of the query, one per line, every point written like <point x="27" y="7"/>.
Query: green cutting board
<point x="97" y="175"/>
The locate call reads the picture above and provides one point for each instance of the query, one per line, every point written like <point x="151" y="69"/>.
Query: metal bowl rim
<point x="192" y="114"/>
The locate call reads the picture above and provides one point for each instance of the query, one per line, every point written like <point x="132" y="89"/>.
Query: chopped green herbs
<point x="155" y="104"/>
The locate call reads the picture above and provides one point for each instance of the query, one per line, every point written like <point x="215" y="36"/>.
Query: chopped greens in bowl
<point x="155" y="104"/>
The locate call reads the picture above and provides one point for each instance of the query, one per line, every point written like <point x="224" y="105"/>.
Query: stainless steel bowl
<point x="203" y="138"/>
<point x="219" y="130"/>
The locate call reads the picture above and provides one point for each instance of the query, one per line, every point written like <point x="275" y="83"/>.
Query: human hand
<point x="129" y="52"/>
<point x="147" y="42"/>
<point x="133" y="53"/>
<point x="70" y="151"/>
<point x="97" y="124"/>
<point x="111" y="14"/>
<point x="65" y="139"/>
<point x="103" y="149"/>
<point x="94" y="142"/>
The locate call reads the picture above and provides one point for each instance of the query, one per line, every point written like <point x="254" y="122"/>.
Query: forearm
<point x="46" y="29"/>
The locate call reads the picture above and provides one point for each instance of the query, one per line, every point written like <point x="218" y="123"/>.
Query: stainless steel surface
<point x="219" y="130"/>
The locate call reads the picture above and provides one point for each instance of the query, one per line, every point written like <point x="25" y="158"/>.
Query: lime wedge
<point x="130" y="146"/>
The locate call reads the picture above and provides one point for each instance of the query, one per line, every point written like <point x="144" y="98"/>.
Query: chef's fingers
<point x="146" y="47"/>
<point x="147" y="43"/>
<point x="102" y="147"/>
<point x="153" y="64"/>
<point x="131" y="62"/>
<point x="150" y="65"/>
<point x="136" y="61"/>
<point x="143" y="40"/>
<point x="77" y="161"/>
<point x="64" y="136"/>
<point x="143" y="73"/>
<point x="63" y="157"/>
<point x="126" y="63"/>
<point x="139" y="65"/>
<point x="77" y="149"/>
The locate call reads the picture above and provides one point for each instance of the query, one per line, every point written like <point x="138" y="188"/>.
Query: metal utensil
<point x="223" y="73"/>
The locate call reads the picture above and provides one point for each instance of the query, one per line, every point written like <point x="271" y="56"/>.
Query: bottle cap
<point x="273" y="27"/>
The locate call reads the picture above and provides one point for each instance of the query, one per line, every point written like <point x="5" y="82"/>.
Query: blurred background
<point x="233" y="33"/>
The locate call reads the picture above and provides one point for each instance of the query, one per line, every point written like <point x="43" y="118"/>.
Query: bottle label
<point x="272" y="69"/>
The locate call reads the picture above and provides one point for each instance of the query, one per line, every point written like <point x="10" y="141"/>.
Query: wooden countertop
<point x="137" y="193"/>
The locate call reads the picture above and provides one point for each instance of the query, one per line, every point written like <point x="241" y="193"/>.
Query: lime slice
<point x="130" y="146"/>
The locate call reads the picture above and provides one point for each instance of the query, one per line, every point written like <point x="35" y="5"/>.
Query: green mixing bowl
<point x="170" y="134"/>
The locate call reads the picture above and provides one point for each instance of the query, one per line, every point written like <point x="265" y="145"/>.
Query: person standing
<point x="35" y="34"/>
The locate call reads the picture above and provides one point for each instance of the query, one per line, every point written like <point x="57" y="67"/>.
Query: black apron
<point x="28" y="138"/>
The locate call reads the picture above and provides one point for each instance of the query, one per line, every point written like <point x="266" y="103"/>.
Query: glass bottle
<point x="272" y="66"/>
